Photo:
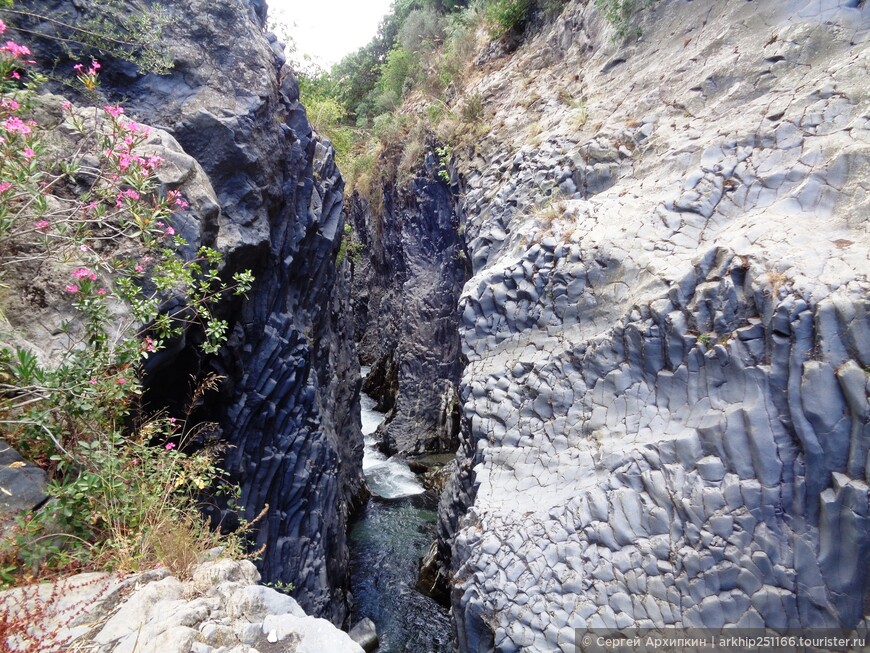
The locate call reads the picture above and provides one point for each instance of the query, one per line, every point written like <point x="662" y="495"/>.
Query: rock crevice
<point x="406" y="289"/>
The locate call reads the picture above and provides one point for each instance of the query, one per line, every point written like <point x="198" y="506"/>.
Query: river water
<point x="386" y="543"/>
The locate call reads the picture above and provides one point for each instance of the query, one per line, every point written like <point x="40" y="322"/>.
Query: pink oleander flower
<point x="101" y="292"/>
<point x="84" y="273"/>
<point x="66" y="105"/>
<point x="137" y="128"/>
<point x="71" y="288"/>
<point x="12" y="105"/>
<point x="139" y="269"/>
<point x="149" y="345"/>
<point x="42" y="225"/>
<point x="78" y="67"/>
<point x="170" y="231"/>
<point x="28" y="153"/>
<point x="114" y="111"/>
<point x="95" y="65"/>
<point x="160" y="224"/>
<point x="134" y="462"/>
<point x="121" y="381"/>
<point x="2" y="27"/>
<point x="5" y="186"/>
<point x="16" y="124"/>
<point x="124" y="161"/>
<point x="93" y="381"/>
<point x="170" y="446"/>
<point x="126" y="194"/>
<point x="175" y="198"/>
<point x="15" y="50"/>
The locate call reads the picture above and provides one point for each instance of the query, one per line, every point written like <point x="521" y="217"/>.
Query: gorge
<point x="631" y="294"/>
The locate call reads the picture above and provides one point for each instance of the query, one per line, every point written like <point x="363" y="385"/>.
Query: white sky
<point x="329" y="29"/>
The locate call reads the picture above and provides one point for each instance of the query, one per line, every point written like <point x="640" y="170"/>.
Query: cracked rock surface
<point x="220" y="609"/>
<point x="668" y="328"/>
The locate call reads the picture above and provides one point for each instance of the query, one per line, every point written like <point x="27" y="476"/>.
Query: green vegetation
<point x="383" y="107"/>
<point x="620" y="12"/>
<point x="83" y="219"/>
<point x="508" y="15"/>
<point x="107" y="28"/>
<point x="444" y="156"/>
<point x="350" y="247"/>
<point x="327" y="115"/>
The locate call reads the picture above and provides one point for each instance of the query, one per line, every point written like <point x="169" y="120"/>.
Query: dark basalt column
<point x="288" y="404"/>
<point x="406" y="292"/>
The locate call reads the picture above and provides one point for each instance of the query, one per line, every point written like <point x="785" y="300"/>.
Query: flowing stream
<point x="386" y="542"/>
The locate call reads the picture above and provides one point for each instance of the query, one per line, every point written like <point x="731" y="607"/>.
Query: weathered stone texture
<point x="219" y="609"/>
<point x="668" y="329"/>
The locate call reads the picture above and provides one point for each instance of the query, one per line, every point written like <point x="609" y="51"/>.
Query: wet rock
<point x="432" y="579"/>
<point x="365" y="634"/>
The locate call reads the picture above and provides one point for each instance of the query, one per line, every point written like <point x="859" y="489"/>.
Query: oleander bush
<point x="82" y="200"/>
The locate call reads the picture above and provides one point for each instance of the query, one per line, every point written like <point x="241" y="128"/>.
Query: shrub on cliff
<point x="81" y="204"/>
<point x="507" y="15"/>
<point x="325" y="113"/>
<point x="620" y="12"/>
<point x="108" y="27"/>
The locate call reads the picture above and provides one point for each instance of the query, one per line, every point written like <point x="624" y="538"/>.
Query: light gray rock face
<point x="219" y="610"/>
<point x="667" y="395"/>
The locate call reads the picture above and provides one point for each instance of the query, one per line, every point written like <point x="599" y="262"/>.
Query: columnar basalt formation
<point x="407" y="284"/>
<point x="273" y="204"/>
<point x="667" y="328"/>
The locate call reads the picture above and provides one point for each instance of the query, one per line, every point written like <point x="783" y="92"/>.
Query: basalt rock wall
<point x="288" y="403"/>
<point x="667" y="327"/>
<point x="407" y="282"/>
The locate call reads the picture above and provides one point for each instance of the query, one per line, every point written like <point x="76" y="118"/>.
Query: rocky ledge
<point x="220" y="609"/>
